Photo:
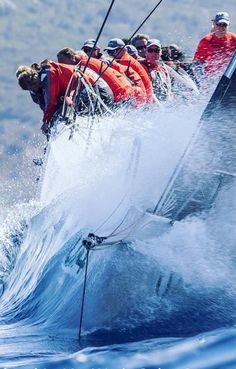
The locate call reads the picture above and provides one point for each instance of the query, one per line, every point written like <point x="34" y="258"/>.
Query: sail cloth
<point x="209" y="161"/>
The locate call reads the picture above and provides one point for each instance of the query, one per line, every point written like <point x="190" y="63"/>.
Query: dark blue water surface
<point x="212" y="350"/>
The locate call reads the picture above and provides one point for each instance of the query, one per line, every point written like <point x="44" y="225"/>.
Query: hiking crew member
<point x="117" y="50"/>
<point x="140" y="42"/>
<point x="157" y="71"/>
<point x="182" y="83"/>
<point x="131" y="50"/>
<point x="50" y="80"/>
<point x="215" y="50"/>
<point x="88" y="46"/>
<point x="37" y="96"/>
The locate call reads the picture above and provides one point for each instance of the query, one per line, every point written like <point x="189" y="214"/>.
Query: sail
<point x="209" y="161"/>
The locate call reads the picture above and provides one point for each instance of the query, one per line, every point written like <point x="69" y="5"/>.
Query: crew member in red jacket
<point x="88" y="46"/>
<point x="51" y="81"/>
<point x="115" y="49"/>
<point x="133" y="69"/>
<point x="215" y="50"/>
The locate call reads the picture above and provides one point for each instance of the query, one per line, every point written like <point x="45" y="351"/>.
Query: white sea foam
<point x="90" y="181"/>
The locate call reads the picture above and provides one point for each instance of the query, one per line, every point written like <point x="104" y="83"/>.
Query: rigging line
<point x="90" y="93"/>
<point x="131" y="225"/>
<point x="99" y="34"/>
<point x="134" y="155"/>
<point x="75" y="71"/>
<point x="113" y="234"/>
<point x="83" y="295"/>
<point x="144" y="21"/>
<point x="44" y="157"/>
<point x="81" y="80"/>
<point x="67" y="127"/>
<point x="113" y="212"/>
<point x="92" y="106"/>
<point x="98" y="98"/>
<point x="78" y="89"/>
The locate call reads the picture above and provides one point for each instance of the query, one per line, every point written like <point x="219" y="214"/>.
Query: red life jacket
<point x="120" y="86"/>
<point x="136" y="81"/>
<point x="55" y="78"/>
<point x="129" y="61"/>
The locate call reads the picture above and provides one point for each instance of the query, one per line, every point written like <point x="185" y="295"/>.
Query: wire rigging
<point x="144" y="21"/>
<point x="99" y="34"/>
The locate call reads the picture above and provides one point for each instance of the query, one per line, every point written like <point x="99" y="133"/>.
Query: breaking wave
<point x="181" y="282"/>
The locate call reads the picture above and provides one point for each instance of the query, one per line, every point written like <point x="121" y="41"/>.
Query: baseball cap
<point x="90" y="43"/>
<point x="114" y="43"/>
<point x="221" y="17"/>
<point x="153" y="41"/>
<point x="131" y="50"/>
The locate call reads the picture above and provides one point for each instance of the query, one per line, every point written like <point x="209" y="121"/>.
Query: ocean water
<point x="163" y="302"/>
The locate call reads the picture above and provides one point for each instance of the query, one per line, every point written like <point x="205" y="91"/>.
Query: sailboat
<point x="128" y="286"/>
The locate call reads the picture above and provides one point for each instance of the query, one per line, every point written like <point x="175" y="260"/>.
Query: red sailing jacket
<point x="129" y="61"/>
<point x="215" y="51"/>
<point x="139" y="89"/>
<point x="120" y="86"/>
<point x="55" y="78"/>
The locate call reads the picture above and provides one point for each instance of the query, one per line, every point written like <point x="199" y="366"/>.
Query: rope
<point x="113" y="212"/>
<point x="83" y="295"/>
<point x="113" y="234"/>
<point x="95" y="44"/>
<point x="98" y="104"/>
<point x="98" y="98"/>
<point x="99" y="34"/>
<point x="67" y="89"/>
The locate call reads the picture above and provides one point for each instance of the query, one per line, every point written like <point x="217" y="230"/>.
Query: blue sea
<point x="166" y="301"/>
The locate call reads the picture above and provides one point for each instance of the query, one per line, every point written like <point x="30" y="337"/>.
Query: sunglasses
<point x="222" y="25"/>
<point x="141" y="47"/>
<point x="87" y="49"/>
<point x="153" y="50"/>
<point x="112" y="52"/>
